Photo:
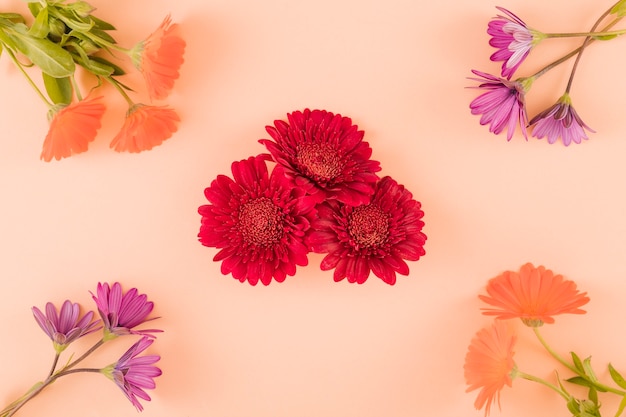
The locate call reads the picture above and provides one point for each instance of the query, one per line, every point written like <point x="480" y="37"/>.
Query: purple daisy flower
<point x="502" y="105"/>
<point x="135" y="374"/>
<point x="513" y="39"/>
<point x="65" y="326"/>
<point x="560" y="121"/>
<point x="121" y="312"/>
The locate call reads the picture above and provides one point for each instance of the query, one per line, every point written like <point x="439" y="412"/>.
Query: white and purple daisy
<point x="560" y="121"/>
<point x="513" y="39"/>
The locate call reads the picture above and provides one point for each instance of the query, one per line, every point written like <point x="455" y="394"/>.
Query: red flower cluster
<point x="323" y="195"/>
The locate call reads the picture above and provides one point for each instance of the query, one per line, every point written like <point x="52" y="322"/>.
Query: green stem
<point x="582" y="48"/>
<point x="591" y="34"/>
<point x="12" y="408"/>
<point x="562" y="361"/>
<point x="84" y="355"/>
<point x="30" y="81"/>
<point x="571" y="53"/>
<point x="54" y="363"/>
<point x="76" y="88"/>
<point x="34" y="392"/>
<point x="29" y="396"/>
<point x="542" y="381"/>
<point x="75" y="371"/>
<point x="554" y="354"/>
<point x="119" y="88"/>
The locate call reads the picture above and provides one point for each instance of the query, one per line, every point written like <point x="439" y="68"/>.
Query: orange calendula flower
<point x="489" y="364"/>
<point x="145" y="127"/>
<point x="534" y="294"/>
<point x="159" y="57"/>
<point x="72" y="127"/>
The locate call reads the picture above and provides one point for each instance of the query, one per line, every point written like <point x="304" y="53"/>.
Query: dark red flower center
<point x="319" y="161"/>
<point x="260" y="222"/>
<point x="369" y="226"/>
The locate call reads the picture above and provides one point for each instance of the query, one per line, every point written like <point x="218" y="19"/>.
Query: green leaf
<point x="13" y="17"/>
<point x="117" y="71"/>
<point x="72" y="21"/>
<point x="40" y="27"/>
<point x="579" y="380"/>
<point x="620" y="8"/>
<point x="621" y="407"/>
<point x="577" y="362"/>
<point x="101" y="34"/>
<point x="604" y="37"/>
<point x="101" y="24"/>
<point x="59" y="89"/>
<point x="590" y="373"/>
<point x="34" y="8"/>
<point x="93" y="66"/>
<point x="617" y="377"/>
<point x="48" y="56"/>
<point x="593" y="395"/>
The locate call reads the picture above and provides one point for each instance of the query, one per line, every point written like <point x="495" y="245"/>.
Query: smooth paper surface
<point x="310" y="347"/>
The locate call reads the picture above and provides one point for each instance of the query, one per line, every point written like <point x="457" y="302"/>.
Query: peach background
<point x="311" y="347"/>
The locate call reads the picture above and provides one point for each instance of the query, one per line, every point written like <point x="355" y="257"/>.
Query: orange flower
<point x="159" y="57"/>
<point x="72" y="127"/>
<point x="489" y="363"/>
<point x="532" y="294"/>
<point x="145" y="127"/>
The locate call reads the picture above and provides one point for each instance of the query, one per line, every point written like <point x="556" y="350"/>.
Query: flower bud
<point x="82" y="8"/>
<point x="57" y="28"/>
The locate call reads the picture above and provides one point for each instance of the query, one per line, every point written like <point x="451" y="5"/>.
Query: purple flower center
<point x="319" y="161"/>
<point x="368" y="226"/>
<point x="260" y="222"/>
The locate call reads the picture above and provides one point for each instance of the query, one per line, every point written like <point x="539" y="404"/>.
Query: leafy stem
<point x="542" y="381"/>
<point x="583" y="370"/>
<point x="12" y="408"/>
<point x="18" y="64"/>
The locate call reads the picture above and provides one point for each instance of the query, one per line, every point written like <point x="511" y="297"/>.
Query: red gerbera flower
<point x="258" y="221"/>
<point x="377" y="236"/>
<point x="159" y="58"/>
<point x="72" y="127"/>
<point x="326" y="154"/>
<point x="145" y="127"/>
<point x="489" y="363"/>
<point x="534" y="294"/>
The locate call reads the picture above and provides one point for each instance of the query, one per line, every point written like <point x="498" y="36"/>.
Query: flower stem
<point x="54" y="363"/>
<point x="28" y="396"/>
<point x="75" y="371"/>
<point x="84" y="355"/>
<point x="12" y="408"/>
<point x="562" y="361"/>
<point x="591" y="34"/>
<point x="552" y="352"/>
<point x="119" y="88"/>
<point x="542" y="381"/>
<point x="582" y="48"/>
<point x="573" y="52"/>
<point x="30" y="80"/>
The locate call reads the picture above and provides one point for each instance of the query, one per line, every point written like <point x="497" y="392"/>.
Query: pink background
<point x="310" y="347"/>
